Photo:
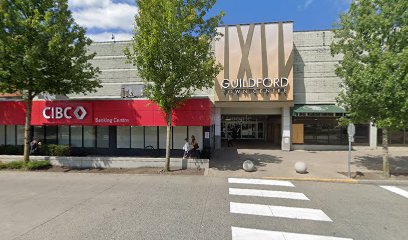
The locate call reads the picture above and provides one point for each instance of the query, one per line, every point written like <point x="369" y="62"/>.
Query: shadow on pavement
<point x="229" y="159"/>
<point x="398" y="164"/>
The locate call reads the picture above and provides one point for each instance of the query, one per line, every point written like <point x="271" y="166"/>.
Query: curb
<point x="332" y="180"/>
<point x="383" y="182"/>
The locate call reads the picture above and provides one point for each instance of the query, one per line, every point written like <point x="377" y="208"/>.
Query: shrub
<point x="13" y="165"/>
<point x="36" y="165"/>
<point x="11" y="150"/>
<point x="33" y="165"/>
<point x="57" y="150"/>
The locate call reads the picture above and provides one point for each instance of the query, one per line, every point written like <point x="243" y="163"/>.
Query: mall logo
<point x="64" y="112"/>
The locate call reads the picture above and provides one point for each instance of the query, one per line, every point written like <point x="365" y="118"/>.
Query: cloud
<point x="305" y="5"/>
<point x="107" y="36"/>
<point x="103" y="14"/>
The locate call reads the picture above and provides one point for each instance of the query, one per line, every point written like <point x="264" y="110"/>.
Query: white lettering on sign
<point x="66" y="112"/>
<point x="259" y="85"/>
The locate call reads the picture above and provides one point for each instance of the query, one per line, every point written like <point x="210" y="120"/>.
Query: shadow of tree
<point x="228" y="159"/>
<point x="398" y="164"/>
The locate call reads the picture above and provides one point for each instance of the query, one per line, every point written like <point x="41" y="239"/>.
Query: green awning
<point x="322" y="110"/>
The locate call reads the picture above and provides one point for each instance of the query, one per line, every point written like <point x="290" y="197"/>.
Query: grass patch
<point x="32" y="165"/>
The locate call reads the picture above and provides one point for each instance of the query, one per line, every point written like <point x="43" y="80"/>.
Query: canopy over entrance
<point x="318" y="110"/>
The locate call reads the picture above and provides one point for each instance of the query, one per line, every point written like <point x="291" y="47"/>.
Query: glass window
<point x="309" y="131"/>
<point x="38" y="132"/>
<point x="198" y="134"/>
<point x="2" y="135"/>
<point x="20" y="135"/>
<point x="162" y="137"/>
<point x="396" y="137"/>
<point x="89" y="136"/>
<point x="102" y="140"/>
<point x="51" y="134"/>
<point x="63" y="135"/>
<point x="260" y="130"/>
<point x="179" y="134"/>
<point x="137" y="137"/>
<point x="123" y="137"/>
<point x="151" y="137"/>
<point x="362" y="134"/>
<point x="76" y="136"/>
<point x="11" y="135"/>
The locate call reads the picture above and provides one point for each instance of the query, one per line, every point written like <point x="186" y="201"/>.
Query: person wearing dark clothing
<point x="194" y="151"/>
<point x="34" y="146"/>
<point x="229" y="140"/>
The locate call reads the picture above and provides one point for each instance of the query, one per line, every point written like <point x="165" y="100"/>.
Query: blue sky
<point x="103" y="18"/>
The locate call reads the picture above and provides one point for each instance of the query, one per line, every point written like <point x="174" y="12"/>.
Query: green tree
<point x="172" y="51"/>
<point x="42" y="49"/>
<point x="372" y="37"/>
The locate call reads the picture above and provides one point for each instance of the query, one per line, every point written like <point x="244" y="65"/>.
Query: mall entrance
<point x="252" y="131"/>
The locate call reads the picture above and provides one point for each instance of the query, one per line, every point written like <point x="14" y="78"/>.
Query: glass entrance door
<point x="242" y="127"/>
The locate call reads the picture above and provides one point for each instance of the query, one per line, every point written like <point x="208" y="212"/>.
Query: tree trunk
<point x="386" y="161"/>
<point x="27" y="130"/>
<point x="168" y="140"/>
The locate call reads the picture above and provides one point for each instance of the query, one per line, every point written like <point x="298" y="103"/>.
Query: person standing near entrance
<point x="229" y="140"/>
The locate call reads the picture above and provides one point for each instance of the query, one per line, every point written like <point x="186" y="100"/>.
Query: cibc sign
<point x="66" y="112"/>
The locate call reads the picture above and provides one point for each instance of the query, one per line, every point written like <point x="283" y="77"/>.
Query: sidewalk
<point x="321" y="164"/>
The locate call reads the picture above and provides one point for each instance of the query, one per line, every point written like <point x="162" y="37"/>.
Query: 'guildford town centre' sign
<point x="255" y="86"/>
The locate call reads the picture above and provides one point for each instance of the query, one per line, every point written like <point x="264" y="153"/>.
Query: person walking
<point x="229" y="140"/>
<point x="186" y="149"/>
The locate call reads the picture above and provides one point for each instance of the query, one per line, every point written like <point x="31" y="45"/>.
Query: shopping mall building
<point x="277" y="90"/>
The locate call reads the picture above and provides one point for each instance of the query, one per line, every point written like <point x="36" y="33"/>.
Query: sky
<point x="102" y="18"/>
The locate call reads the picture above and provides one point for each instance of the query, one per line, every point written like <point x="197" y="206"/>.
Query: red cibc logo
<point x="64" y="112"/>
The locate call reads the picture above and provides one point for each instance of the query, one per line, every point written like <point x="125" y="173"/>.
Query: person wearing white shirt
<point x="186" y="148"/>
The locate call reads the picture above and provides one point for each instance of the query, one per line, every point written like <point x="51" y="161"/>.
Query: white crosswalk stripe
<point x="266" y="193"/>
<point x="255" y="234"/>
<point x="261" y="182"/>
<point x="307" y="214"/>
<point x="279" y="211"/>
<point x="396" y="190"/>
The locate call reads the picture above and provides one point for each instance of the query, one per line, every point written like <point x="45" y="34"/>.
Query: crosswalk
<point x="396" y="190"/>
<point x="273" y="211"/>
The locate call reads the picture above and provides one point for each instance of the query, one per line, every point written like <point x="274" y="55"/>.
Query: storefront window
<point x="20" y="135"/>
<point x="102" y="140"/>
<point x="38" y="132"/>
<point x="162" y="137"/>
<point x="63" y="135"/>
<point x="51" y="135"/>
<point x="395" y="137"/>
<point x="2" y="135"/>
<point x="123" y="137"/>
<point x="11" y="135"/>
<point x="362" y="134"/>
<point x="179" y="134"/>
<point x="76" y="136"/>
<point x="89" y="136"/>
<point x="137" y="137"/>
<point x="151" y="137"/>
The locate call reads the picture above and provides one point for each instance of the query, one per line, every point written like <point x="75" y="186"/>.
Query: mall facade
<point x="277" y="90"/>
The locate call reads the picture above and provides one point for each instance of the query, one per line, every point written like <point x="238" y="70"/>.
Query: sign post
<point x="351" y="130"/>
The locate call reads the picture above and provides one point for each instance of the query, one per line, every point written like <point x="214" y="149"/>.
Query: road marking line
<point x="256" y="234"/>
<point x="279" y="211"/>
<point x="261" y="182"/>
<point x="396" y="190"/>
<point x="267" y="193"/>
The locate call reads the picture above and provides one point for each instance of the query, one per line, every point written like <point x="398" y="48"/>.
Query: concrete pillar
<point x="217" y="127"/>
<point x="373" y="136"/>
<point x="286" y="129"/>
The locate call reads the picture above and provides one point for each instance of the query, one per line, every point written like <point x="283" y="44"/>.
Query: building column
<point x="373" y="136"/>
<point x="286" y="129"/>
<point x="217" y="127"/>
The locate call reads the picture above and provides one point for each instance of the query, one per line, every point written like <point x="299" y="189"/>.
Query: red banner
<point x="194" y="112"/>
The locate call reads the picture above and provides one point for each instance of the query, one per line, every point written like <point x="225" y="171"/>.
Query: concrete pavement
<point x="322" y="164"/>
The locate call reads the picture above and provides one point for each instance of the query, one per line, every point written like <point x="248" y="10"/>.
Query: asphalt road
<point x="104" y="206"/>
